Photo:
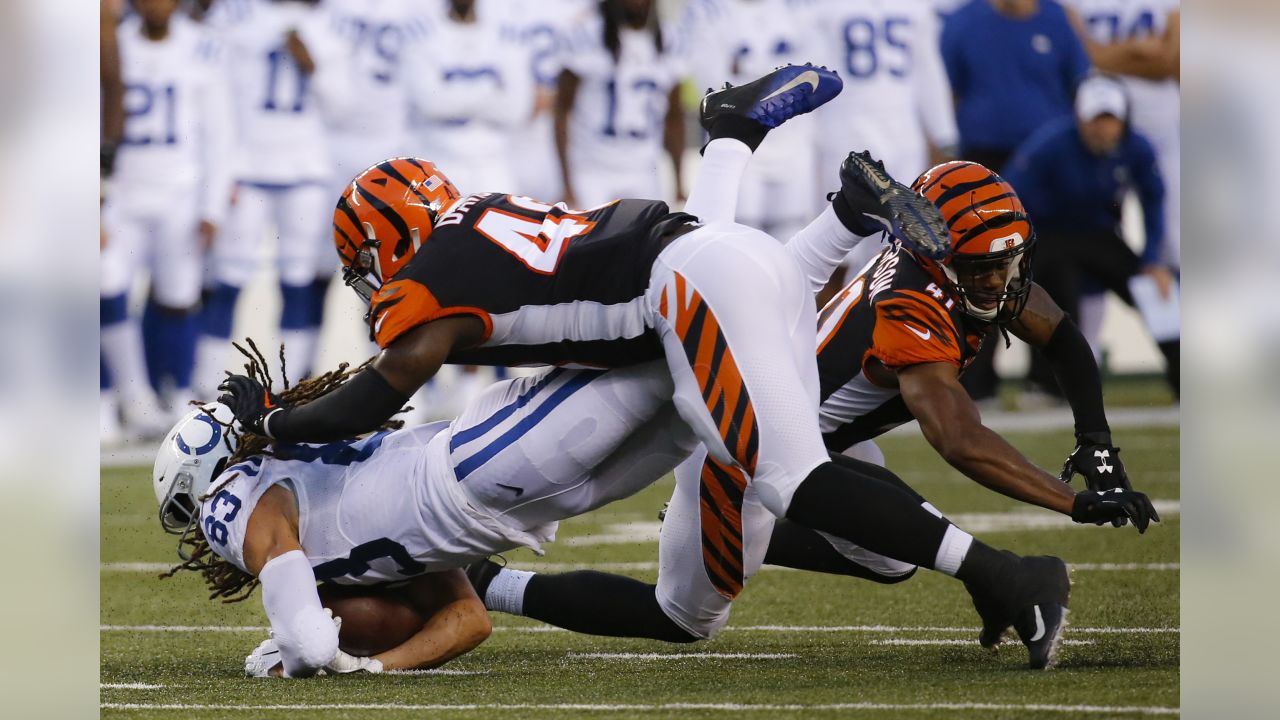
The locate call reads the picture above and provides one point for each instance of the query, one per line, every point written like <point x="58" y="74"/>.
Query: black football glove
<point x="1099" y="462"/>
<point x="249" y="400"/>
<point x="1115" y="504"/>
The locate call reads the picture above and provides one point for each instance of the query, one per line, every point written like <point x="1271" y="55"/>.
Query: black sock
<point x="798" y="547"/>
<point x="848" y="502"/>
<point x="750" y="132"/>
<point x="598" y="603"/>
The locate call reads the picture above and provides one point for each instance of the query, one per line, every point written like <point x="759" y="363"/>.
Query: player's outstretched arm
<point x="456" y="623"/>
<point x="952" y="425"/>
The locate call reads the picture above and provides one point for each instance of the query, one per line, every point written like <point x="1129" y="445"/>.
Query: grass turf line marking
<point x="436" y="671"/>
<point x="665" y="707"/>
<point x="915" y="641"/>
<point x="681" y="656"/>
<point x="130" y="686"/>
<point x="731" y="628"/>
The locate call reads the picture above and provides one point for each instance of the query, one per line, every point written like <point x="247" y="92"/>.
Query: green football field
<point x="798" y="644"/>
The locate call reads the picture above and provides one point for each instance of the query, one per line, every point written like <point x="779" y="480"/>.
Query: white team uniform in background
<point x="1154" y="104"/>
<point x="527" y="453"/>
<point x="542" y="29"/>
<point x="739" y="41"/>
<point x="378" y="35"/>
<point x="470" y="89"/>
<point x="896" y="100"/>
<point x="172" y="172"/>
<point x="283" y="165"/>
<point x="615" y="130"/>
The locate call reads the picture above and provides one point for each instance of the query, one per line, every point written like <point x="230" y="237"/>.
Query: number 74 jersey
<point x="551" y="285"/>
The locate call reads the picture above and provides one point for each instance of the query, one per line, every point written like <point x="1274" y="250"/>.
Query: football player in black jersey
<point x="499" y="279"/>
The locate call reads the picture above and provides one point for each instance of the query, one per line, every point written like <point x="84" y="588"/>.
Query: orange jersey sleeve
<point x="401" y="305"/>
<point x="913" y="328"/>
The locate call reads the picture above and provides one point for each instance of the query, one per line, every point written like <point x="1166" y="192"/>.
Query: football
<point x="373" y="620"/>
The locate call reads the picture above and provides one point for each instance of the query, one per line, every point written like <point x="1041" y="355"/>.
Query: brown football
<point x="373" y="620"/>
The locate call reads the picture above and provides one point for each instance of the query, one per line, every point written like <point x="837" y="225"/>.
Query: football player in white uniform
<point x="169" y="195"/>
<point x="618" y="107"/>
<point x="470" y="89"/>
<point x="738" y="41"/>
<point x="897" y="101"/>
<point x="395" y="506"/>
<point x="542" y="29"/>
<point x="285" y="62"/>
<point x="1139" y="39"/>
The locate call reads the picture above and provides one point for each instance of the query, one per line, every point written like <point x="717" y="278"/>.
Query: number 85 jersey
<point x="551" y="285"/>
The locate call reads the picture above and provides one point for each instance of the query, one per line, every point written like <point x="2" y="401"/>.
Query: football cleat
<point x="482" y="572"/>
<point x="1037" y="603"/>
<point x="995" y="623"/>
<point x="905" y="214"/>
<point x="777" y="97"/>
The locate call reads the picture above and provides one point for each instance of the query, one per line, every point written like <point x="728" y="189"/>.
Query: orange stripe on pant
<point x="720" y="505"/>
<point x="719" y="379"/>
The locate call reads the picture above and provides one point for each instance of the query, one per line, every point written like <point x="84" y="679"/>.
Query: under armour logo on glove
<point x="1102" y="456"/>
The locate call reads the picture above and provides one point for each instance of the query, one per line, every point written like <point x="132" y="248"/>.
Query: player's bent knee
<point x="776" y="487"/>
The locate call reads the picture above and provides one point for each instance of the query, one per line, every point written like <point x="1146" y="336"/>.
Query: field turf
<point x="798" y="644"/>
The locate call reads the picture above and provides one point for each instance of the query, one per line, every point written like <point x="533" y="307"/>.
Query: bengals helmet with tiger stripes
<point x="384" y="216"/>
<point x="992" y="240"/>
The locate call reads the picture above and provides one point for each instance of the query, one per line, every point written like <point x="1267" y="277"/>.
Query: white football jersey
<point x="738" y="41"/>
<point x="469" y="90"/>
<point x="376" y="34"/>
<point x="621" y="105"/>
<point x="281" y="134"/>
<point x="381" y="509"/>
<point x="178" y="123"/>
<point x="1155" y="103"/>
<point x="896" y="93"/>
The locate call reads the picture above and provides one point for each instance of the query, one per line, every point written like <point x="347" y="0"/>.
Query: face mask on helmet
<point x="992" y="241"/>
<point x="191" y="456"/>
<point x="385" y="215"/>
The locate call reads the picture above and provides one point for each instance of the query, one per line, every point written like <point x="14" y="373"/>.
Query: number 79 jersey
<point x="381" y="509"/>
<point x="552" y="286"/>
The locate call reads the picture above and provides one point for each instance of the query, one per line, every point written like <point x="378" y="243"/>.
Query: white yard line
<point x="681" y="656"/>
<point x="732" y="628"/>
<point x="668" y="707"/>
<point x="437" y="671"/>
<point x="130" y="686"/>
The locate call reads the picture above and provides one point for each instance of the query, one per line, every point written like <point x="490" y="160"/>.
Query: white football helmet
<point x="192" y="454"/>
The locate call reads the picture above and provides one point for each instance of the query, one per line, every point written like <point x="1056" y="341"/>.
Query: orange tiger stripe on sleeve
<point x="402" y="305"/>
<point x="910" y="330"/>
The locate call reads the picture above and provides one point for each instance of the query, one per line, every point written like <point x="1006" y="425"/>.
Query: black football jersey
<point x="899" y="313"/>
<point x="551" y="286"/>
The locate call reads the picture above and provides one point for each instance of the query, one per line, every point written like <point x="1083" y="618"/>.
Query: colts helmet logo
<point x="206" y="444"/>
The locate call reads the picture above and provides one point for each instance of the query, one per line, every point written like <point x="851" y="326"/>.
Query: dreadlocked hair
<point x="223" y="579"/>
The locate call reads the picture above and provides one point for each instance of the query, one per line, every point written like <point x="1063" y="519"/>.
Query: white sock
<point x="820" y="248"/>
<point x="122" y="349"/>
<point x="955" y="545"/>
<point x="714" y="197"/>
<point x="299" y="352"/>
<point x="213" y="359"/>
<point x="506" y="591"/>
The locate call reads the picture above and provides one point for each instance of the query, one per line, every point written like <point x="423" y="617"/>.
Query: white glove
<point x="260" y="662"/>
<point x="343" y="663"/>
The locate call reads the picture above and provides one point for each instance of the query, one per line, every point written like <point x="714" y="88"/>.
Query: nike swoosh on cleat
<point x="1039" y="625"/>
<point x="807" y="76"/>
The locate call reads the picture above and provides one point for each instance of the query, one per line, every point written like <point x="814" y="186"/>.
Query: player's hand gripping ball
<point x="373" y="621"/>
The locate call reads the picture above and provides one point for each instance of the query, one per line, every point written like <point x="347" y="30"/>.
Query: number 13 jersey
<point x="551" y="285"/>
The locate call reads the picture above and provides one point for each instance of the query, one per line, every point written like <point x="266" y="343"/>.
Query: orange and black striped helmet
<point x="384" y="216"/>
<point x="992" y="239"/>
